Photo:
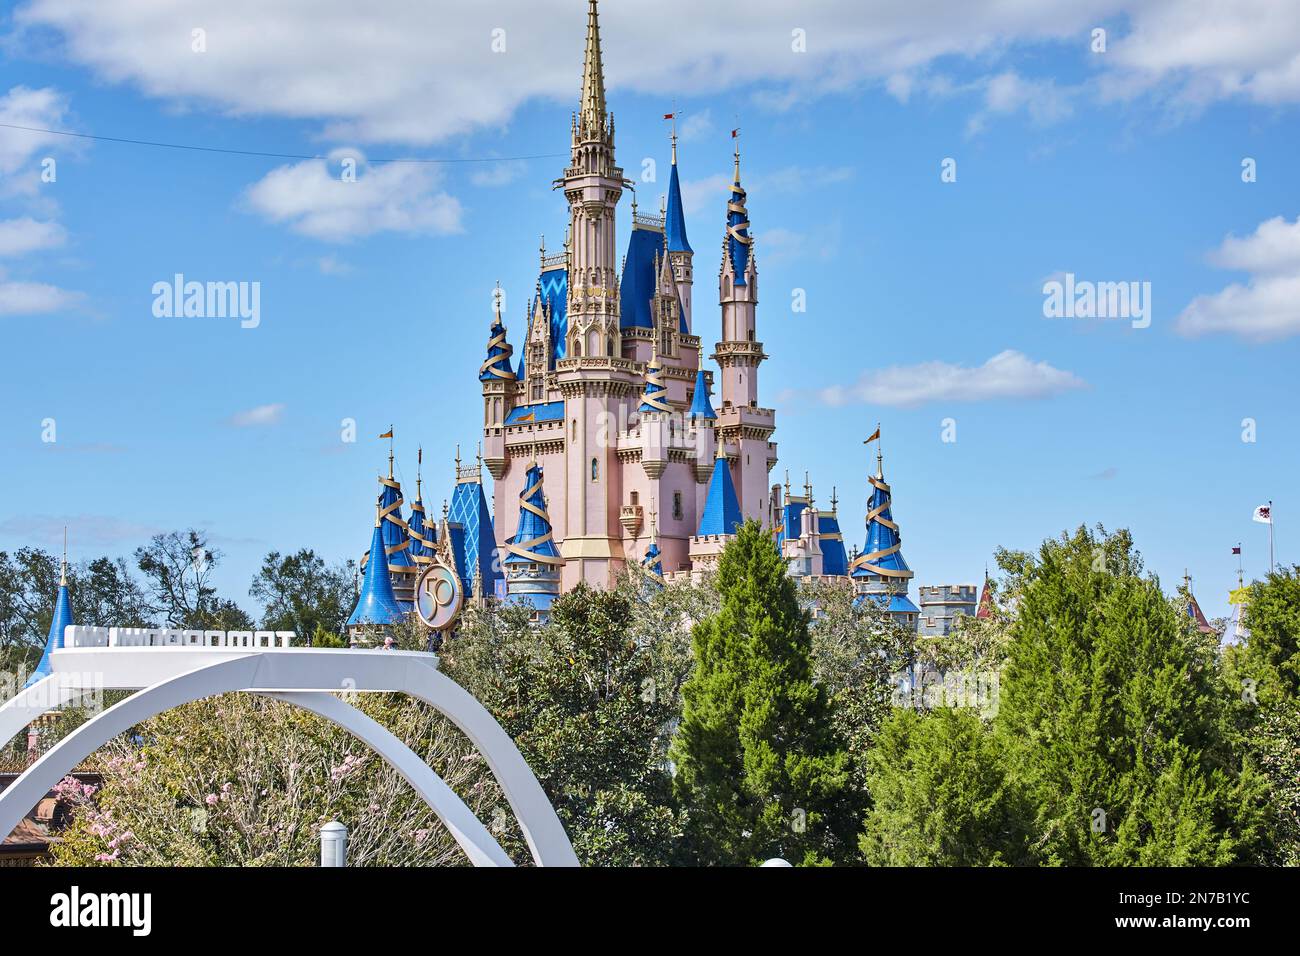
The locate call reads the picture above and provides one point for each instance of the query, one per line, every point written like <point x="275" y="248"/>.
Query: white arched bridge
<point x="169" y="668"/>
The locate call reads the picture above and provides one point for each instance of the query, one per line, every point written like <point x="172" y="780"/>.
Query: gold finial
<point x="807" y="487"/>
<point x="787" y="482"/>
<point x="478" y="454"/>
<point x="542" y="248"/>
<point x="63" y="568"/>
<point x="457" y="459"/>
<point x="835" y="502"/>
<point x="444" y="511"/>
<point x="376" y="513"/>
<point x="390" y="451"/>
<point x="673" y="116"/>
<point x="592" y="105"/>
<point x="419" y="465"/>
<point x="654" y="519"/>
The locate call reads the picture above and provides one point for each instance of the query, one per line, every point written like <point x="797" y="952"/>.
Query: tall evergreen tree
<point x="1113" y="721"/>
<point x="760" y="769"/>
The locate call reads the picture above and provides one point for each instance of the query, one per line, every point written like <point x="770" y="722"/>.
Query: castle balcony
<point x="629" y="516"/>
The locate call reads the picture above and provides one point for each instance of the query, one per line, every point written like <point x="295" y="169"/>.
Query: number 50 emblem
<point x="438" y="597"/>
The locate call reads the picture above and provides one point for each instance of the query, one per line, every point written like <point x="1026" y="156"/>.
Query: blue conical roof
<point x="881" y="556"/>
<point x="701" y="407"/>
<point x="376" y="604"/>
<point x="396" y="534"/>
<point x="423" y="535"/>
<point x="738" y="240"/>
<point x="675" y="218"/>
<point x="496" y="367"/>
<point x="721" y="507"/>
<point x="533" y="542"/>
<point x="54" y="640"/>
<point x="474" y="546"/>
<point x="655" y="397"/>
<point x="653" y="560"/>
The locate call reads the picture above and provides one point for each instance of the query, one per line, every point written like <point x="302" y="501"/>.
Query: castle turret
<point x="473" y="539"/>
<point x="594" y="379"/>
<point x="59" y="623"/>
<point x="721" y="516"/>
<point x="879" y="572"/>
<point x="742" y="424"/>
<point x="654" y="420"/>
<point x="397" y="538"/>
<point x="680" y="253"/>
<point x="703" y="419"/>
<point x="422" y="533"/>
<point x="376" y="604"/>
<point x="532" y="562"/>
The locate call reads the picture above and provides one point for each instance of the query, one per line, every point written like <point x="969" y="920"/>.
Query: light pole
<point x="333" y="844"/>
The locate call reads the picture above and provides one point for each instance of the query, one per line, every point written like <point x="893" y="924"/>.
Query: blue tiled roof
<point x="394" y="529"/>
<point x="834" y="558"/>
<point x="498" y="355"/>
<point x="653" y="560"/>
<point x="533" y="526"/>
<point x="893" y="603"/>
<point x="54" y="640"/>
<point x="675" y="219"/>
<point x="701" y="407"/>
<point x="553" y="289"/>
<point x="881" y="537"/>
<point x="738" y="219"/>
<point x="376" y="603"/>
<point x="418" y="529"/>
<point x="721" y="507"/>
<point x="475" y="545"/>
<point x="542" y="412"/>
<point x="790" y="512"/>
<point x="637" y="286"/>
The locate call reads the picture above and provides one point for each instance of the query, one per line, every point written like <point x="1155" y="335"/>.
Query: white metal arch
<point x="297" y="673"/>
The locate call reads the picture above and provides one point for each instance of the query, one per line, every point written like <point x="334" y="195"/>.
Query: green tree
<point x="759" y="766"/>
<point x="300" y="593"/>
<point x="581" y="697"/>
<point x="1113" y="719"/>
<point x="940" y="794"/>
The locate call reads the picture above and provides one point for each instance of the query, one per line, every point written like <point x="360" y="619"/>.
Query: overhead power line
<point x="266" y="155"/>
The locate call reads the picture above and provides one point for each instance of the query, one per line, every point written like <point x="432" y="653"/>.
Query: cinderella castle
<point x="611" y="437"/>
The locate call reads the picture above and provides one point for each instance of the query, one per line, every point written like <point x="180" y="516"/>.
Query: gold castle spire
<point x="592" y="105"/>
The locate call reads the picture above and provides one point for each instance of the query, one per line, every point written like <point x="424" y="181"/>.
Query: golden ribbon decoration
<point x="520" y="549"/>
<point x="491" y="363"/>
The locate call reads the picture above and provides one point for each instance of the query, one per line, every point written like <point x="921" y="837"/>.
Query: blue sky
<point x="1117" y="166"/>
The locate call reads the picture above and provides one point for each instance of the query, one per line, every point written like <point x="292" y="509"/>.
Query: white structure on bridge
<point x="170" y="668"/>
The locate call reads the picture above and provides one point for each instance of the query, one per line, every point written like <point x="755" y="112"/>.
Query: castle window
<point x="595" y="470"/>
<point x="636" y="498"/>
<point x="677" y="505"/>
<point x="575" y="429"/>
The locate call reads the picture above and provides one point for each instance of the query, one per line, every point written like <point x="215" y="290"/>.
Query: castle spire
<point x="738" y="239"/>
<point x="674" y="216"/>
<point x="591" y="106"/>
<point x="655" y="397"/>
<point x="421" y="532"/>
<point x="376" y="604"/>
<point x="722" y="513"/>
<point x="882" y="553"/>
<point x="701" y="407"/>
<point x="497" y="364"/>
<point x="59" y="623"/>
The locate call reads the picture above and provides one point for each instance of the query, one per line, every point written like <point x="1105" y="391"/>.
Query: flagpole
<point x="1270" y="536"/>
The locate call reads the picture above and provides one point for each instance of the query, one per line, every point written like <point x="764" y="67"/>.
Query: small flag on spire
<point x="1237" y="550"/>
<point x="387" y="434"/>
<point x="735" y="133"/>
<point x="1264" y="514"/>
<point x="874" y="436"/>
<point x="670" y="116"/>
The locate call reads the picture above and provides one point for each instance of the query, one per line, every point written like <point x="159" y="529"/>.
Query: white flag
<point x="1264" y="514"/>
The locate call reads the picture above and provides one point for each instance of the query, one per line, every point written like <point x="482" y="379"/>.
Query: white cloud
<point x="1267" y="306"/>
<point x="21" y="149"/>
<point x="35" y="298"/>
<point x="21" y="236"/>
<point x="315" y="201"/>
<point x="419" y="73"/>
<point x="1008" y="92"/>
<point x="1009" y="374"/>
<point x="261" y="415"/>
